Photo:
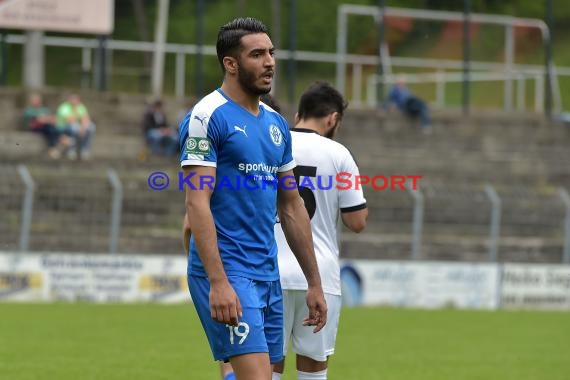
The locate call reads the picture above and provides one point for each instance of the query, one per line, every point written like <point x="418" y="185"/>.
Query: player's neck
<point x="312" y="124"/>
<point x="235" y="92"/>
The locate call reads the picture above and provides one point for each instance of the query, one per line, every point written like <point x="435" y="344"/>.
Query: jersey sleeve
<point x="287" y="163"/>
<point x="199" y="139"/>
<point x="351" y="199"/>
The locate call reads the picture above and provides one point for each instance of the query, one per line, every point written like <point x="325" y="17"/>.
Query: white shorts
<point x="304" y="342"/>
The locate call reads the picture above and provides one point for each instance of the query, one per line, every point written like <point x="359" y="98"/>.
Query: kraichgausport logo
<point x="255" y="176"/>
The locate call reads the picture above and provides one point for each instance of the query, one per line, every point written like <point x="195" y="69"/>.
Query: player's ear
<point x="331" y="119"/>
<point x="297" y="118"/>
<point x="230" y="64"/>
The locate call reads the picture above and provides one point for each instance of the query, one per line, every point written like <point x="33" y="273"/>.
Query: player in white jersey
<point x="319" y="162"/>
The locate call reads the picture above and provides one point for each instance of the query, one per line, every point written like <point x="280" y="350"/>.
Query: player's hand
<point x="317" y="309"/>
<point x="224" y="303"/>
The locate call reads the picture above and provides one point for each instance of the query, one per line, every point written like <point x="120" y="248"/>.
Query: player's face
<point x="256" y="64"/>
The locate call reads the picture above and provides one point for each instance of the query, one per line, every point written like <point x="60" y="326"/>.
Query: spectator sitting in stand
<point x="159" y="136"/>
<point x="37" y="118"/>
<point x="409" y="104"/>
<point x="74" y="121"/>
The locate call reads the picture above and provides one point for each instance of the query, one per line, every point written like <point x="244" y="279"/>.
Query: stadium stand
<point x="523" y="157"/>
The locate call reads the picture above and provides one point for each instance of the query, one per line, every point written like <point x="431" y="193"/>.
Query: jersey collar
<point x="305" y="130"/>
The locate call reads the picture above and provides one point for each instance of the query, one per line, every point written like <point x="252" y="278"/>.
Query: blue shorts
<point x="261" y="327"/>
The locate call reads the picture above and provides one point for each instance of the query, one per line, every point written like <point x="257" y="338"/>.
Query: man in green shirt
<point x="72" y="119"/>
<point x="39" y="119"/>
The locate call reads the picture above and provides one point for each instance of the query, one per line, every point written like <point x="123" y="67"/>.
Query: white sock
<point x="276" y="376"/>
<point x="321" y="375"/>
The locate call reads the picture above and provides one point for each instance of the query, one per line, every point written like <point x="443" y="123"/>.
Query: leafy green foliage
<point x="316" y="30"/>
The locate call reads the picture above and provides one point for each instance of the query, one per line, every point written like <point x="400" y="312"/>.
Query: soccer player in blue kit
<point x="238" y="174"/>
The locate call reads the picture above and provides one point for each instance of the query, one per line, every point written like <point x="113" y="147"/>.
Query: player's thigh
<point x="200" y="292"/>
<point x="262" y="305"/>
<point x="317" y="346"/>
<point x="273" y="315"/>
<point x="228" y="341"/>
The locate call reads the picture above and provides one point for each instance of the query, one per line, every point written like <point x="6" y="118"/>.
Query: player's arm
<point x="297" y="229"/>
<point x="186" y="232"/>
<point x="224" y="303"/>
<point x="85" y="119"/>
<point x="353" y="211"/>
<point x="354" y="220"/>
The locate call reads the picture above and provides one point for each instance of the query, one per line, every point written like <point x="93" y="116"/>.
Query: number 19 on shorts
<point x="241" y="331"/>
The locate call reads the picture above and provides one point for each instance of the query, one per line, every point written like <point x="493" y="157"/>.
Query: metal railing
<point x="442" y="78"/>
<point x="509" y="70"/>
<point x="141" y="220"/>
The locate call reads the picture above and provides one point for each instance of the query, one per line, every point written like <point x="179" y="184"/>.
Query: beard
<point x="247" y="81"/>
<point x="332" y="132"/>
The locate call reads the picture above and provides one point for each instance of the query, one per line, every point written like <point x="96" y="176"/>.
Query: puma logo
<point x="200" y="119"/>
<point x="242" y="130"/>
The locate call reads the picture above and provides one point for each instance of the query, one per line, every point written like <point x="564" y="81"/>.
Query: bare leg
<point x="279" y="367"/>
<point x="225" y="369"/>
<point x="306" y="364"/>
<point x="254" y="366"/>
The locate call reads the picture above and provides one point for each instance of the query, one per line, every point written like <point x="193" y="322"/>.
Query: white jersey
<point x="320" y="163"/>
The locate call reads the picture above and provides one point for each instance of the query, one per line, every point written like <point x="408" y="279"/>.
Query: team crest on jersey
<point x="275" y="134"/>
<point x="197" y="145"/>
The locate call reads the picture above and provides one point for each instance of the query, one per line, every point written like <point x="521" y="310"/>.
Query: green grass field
<point x="147" y="341"/>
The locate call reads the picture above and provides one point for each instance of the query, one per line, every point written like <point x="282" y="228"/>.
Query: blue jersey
<point x="247" y="151"/>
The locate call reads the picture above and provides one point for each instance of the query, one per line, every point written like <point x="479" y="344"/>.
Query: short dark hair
<point x="319" y="100"/>
<point x="229" y="36"/>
